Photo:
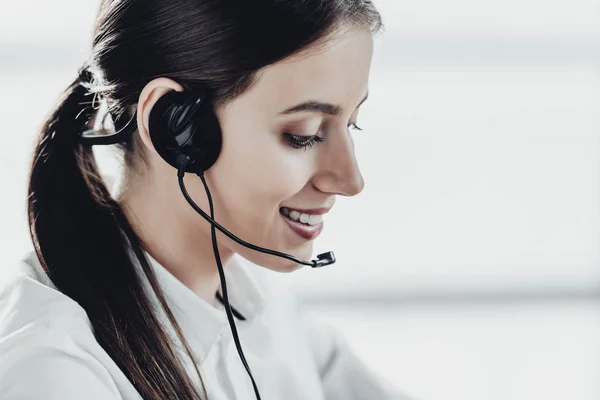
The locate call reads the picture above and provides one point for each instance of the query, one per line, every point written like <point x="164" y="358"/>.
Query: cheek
<point x="272" y="178"/>
<point x="256" y="175"/>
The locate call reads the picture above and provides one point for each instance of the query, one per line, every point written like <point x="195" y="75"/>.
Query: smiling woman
<point x="118" y="299"/>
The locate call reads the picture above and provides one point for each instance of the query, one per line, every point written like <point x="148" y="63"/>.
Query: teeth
<point x="315" y="219"/>
<point x="303" y="218"/>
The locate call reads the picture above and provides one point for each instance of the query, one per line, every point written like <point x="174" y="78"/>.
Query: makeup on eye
<point x="306" y="141"/>
<point x="302" y="142"/>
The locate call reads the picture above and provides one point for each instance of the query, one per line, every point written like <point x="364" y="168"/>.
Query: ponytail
<point x="83" y="242"/>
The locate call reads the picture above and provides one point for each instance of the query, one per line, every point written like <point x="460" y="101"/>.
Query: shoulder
<point x="46" y="340"/>
<point x="29" y="303"/>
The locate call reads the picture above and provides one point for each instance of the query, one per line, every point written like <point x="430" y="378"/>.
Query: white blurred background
<point x="469" y="268"/>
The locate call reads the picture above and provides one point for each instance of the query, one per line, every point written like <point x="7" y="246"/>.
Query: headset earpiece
<point x="184" y="123"/>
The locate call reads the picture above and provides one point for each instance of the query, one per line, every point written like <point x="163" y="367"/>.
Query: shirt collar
<point x="201" y="323"/>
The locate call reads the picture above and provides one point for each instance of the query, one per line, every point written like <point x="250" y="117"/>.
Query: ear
<point x="150" y="94"/>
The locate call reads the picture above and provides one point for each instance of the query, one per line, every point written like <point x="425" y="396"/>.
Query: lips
<point x="307" y="232"/>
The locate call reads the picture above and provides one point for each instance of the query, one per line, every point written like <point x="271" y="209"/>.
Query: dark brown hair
<point x="80" y="234"/>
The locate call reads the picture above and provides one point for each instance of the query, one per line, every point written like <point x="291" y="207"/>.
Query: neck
<point x="175" y="235"/>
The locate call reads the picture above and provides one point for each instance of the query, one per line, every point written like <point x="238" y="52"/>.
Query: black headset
<point x="180" y="124"/>
<point x="186" y="133"/>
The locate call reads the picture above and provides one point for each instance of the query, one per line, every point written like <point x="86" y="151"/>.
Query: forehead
<point x="336" y="73"/>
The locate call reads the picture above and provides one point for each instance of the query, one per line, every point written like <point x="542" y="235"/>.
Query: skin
<point x="257" y="171"/>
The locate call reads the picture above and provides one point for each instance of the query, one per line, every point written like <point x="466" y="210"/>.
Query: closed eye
<point x="302" y="142"/>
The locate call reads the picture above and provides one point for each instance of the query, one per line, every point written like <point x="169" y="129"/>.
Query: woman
<point x="118" y="299"/>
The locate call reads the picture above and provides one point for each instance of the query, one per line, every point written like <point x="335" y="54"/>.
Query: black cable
<point x="180" y="174"/>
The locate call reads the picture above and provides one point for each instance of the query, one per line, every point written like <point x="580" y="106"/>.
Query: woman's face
<point x="260" y="170"/>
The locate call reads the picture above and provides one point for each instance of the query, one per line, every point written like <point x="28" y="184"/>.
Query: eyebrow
<point x="319" y="107"/>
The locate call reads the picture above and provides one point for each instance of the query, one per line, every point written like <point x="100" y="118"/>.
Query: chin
<point x="278" y="264"/>
<point x="286" y="266"/>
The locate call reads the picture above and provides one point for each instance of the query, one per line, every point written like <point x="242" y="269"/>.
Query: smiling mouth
<point x="302" y="229"/>
<point x="304" y="218"/>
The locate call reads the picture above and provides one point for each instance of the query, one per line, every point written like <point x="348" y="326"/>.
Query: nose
<point x="338" y="170"/>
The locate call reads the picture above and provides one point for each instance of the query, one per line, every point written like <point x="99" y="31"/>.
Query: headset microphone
<point x="190" y="142"/>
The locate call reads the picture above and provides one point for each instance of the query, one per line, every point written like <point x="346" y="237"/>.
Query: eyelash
<point x="305" y="142"/>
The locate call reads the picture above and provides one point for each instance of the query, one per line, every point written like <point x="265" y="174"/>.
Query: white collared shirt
<point x="48" y="349"/>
